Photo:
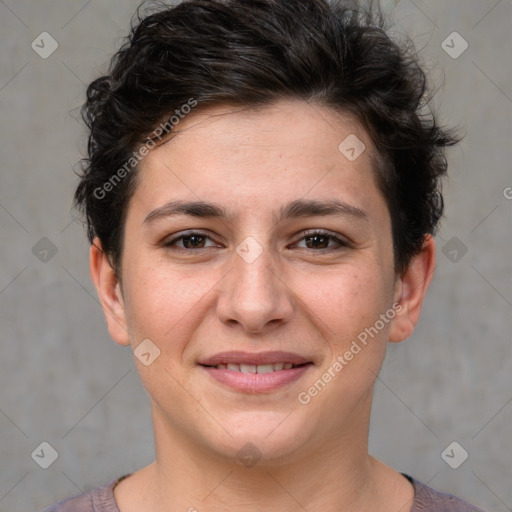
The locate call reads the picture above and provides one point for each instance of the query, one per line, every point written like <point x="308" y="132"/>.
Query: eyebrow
<point x="295" y="209"/>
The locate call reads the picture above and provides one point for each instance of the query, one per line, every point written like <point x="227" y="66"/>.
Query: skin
<point x="295" y="296"/>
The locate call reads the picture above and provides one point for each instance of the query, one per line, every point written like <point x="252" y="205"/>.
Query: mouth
<point x="253" y="368"/>
<point x="256" y="372"/>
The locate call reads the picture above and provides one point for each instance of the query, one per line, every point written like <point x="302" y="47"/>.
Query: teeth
<point x="251" y="368"/>
<point x="265" y="368"/>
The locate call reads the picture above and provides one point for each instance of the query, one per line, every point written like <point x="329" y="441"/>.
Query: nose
<point x="254" y="296"/>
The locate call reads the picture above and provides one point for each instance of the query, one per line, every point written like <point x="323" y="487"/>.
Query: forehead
<point x="279" y="127"/>
<point x="260" y="157"/>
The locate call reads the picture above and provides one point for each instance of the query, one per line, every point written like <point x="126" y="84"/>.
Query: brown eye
<point x="194" y="241"/>
<point x="322" y="240"/>
<point x="317" y="241"/>
<point x="190" y="241"/>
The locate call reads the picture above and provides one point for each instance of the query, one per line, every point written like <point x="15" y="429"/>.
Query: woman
<point x="261" y="195"/>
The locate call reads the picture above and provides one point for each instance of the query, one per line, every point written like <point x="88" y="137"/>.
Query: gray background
<point x="64" y="381"/>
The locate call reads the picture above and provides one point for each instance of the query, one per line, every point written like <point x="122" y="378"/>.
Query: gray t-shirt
<point x="102" y="499"/>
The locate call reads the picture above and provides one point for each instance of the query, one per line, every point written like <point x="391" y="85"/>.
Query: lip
<point x="255" y="358"/>
<point x="256" y="382"/>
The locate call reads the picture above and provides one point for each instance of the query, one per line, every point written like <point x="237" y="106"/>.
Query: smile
<point x="256" y="372"/>
<point x="260" y="368"/>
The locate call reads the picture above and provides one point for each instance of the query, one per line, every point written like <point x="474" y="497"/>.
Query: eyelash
<point x="340" y="244"/>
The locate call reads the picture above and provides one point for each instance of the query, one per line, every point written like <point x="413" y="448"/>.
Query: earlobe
<point x="411" y="290"/>
<point x="109" y="292"/>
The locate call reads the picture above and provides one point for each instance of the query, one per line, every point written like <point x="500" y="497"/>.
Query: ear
<point x="410" y="291"/>
<point x="109" y="291"/>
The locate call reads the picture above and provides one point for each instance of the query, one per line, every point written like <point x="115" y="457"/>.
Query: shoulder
<point x="100" y="499"/>
<point x="427" y="499"/>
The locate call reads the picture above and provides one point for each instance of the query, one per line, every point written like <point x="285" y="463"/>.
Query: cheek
<point x="344" y="301"/>
<point x="346" y="306"/>
<point x="163" y="302"/>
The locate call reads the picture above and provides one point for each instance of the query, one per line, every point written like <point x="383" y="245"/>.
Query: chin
<point x="263" y="438"/>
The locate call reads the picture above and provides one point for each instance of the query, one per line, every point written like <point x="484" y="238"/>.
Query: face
<point x="288" y="262"/>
